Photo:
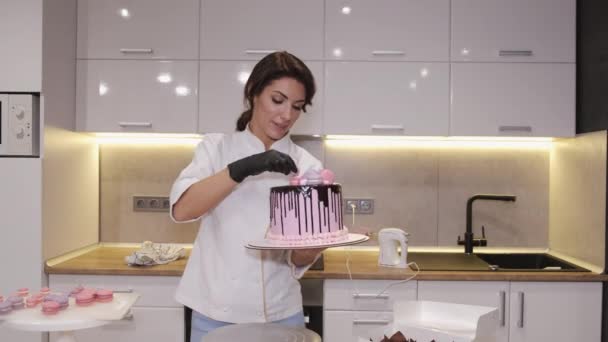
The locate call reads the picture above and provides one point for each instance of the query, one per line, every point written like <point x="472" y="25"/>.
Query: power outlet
<point x="361" y="205"/>
<point x="151" y="203"/>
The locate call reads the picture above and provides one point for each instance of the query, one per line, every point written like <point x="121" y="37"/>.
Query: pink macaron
<point x="31" y="302"/>
<point x="23" y="292"/>
<point x="76" y="290"/>
<point x="105" y="296"/>
<point x="50" y="308"/>
<point x="16" y="301"/>
<point x="45" y="291"/>
<point x="85" y="298"/>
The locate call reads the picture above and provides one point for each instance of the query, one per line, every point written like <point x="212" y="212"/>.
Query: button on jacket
<point x="224" y="280"/>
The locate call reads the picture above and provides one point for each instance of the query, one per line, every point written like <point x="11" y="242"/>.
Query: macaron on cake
<point x="85" y="298"/>
<point x="50" y="308"/>
<point x="6" y="307"/>
<point x="105" y="296"/>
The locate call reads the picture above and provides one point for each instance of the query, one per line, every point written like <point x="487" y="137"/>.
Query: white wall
<point x="577" y="203"/>
<point x="70" y="164"/>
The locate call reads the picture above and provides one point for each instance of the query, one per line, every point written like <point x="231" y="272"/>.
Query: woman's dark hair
<point x="271" y="68"/>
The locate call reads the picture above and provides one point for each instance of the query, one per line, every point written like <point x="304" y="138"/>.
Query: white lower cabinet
<point x="361" y="308"/>
<point x="556" y="312"/>
<point x="145" y="325"/>
<point x="155" y="317"/>
<point x="529" y="311"/>
<point x="350" y="326"/>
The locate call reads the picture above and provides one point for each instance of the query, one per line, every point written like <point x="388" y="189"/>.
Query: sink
<point x="528" y="262"/>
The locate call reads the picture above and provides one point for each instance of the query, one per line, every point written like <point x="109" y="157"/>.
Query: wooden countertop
<point x="109" y="260"/>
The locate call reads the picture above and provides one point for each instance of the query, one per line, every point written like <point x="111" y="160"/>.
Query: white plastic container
<point x="443" y="322"/>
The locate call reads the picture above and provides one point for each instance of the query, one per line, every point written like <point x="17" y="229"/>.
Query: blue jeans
<point x="202" y="325"/>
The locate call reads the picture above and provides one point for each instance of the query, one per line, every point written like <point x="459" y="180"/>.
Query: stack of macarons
<point x="60" y="298"/>
<point x="33" y="300"/>
<point x="5" y="307"/>
<point x="87" y="297"/>
<point x="17" y="302"/>
<point x="50" y="308"/>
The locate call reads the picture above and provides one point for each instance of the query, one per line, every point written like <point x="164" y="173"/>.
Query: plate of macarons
<point x="78" y="303"/>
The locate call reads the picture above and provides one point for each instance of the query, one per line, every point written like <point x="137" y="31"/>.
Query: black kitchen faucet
<point x="468" y="241"/>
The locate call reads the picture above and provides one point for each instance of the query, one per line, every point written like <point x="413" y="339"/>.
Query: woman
<point x="227" y="184"/>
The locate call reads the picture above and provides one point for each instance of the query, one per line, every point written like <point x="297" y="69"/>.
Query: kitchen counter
<point x="108" y="259"/>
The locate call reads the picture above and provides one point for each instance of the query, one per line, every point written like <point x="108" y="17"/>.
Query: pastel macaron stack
<point x="16" y="301"/>
<point x="105" y="296"/>
<point x="85" y="298"/>
<point x="23" y="292"/>
<point x="45" y="291"/>
<point x="33" y="300"/>
<point x="6" y="307"/>
<point x="62" y="299"/>
<point x="50" y="307"/>
<point x="76" y="290"/>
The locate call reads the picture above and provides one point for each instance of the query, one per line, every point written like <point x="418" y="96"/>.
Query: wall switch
<point x="361" y="205"/>
<point x="151" y="203"/>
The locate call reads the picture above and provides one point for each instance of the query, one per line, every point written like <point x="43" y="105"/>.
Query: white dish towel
<point x="155" y="254"/>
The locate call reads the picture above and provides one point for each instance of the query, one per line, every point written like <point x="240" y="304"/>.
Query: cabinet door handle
<point x="520" y="320"/>
<point x="388" y="53"/>
<point x="125" y="50"/>
<point x="501" y="307"/>
<point x="259" y="52"/>
<point x="370" y="296"/>
<point x="387" y="127"/>
<point x="134" y="124"/>
<point x="515" y="53"/>
<point x="371" y="322"/>
<point x="527" y="129"/>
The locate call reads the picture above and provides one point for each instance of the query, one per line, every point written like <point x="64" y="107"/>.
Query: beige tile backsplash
<point x="421" y="189"/>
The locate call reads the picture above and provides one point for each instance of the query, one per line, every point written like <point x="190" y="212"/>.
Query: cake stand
<point x="72" y="318"/>
<point x="352" y="239"/>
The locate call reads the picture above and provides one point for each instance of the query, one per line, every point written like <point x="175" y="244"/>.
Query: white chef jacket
<point x="224" y="280"/>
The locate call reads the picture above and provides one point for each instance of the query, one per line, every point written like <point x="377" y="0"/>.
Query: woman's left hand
<point x="302" y="257"/>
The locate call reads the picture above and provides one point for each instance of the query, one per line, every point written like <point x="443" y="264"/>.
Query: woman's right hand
<point x="271" y="160"/>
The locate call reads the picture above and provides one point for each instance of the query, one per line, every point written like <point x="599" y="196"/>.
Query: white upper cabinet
<point x="21" y="45"/>
<point x="248" y="30"/>
<point x="138" y="29"/>
<point x="136" y="96"/>
<point x="514" y="30"/>
<point x="221" y="97"/>
<point x="513" y="99"/>
<point x="387" y="30"/>
<point x="375" y="98"/>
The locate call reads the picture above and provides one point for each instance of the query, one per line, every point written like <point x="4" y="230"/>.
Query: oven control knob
<point x="19" y="132"/>
<point x="20" y="112"/>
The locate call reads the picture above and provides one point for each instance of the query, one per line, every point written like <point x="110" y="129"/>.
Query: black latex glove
<point x="271" y="160"/>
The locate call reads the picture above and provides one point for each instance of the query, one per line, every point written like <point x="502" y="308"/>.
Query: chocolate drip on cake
<point x="286" y="199"/>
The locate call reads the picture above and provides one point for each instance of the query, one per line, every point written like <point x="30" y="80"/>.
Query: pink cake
<point x="309" y="214"/>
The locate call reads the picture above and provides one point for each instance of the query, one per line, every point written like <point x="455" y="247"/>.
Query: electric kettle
<point x="389" y="240"/>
